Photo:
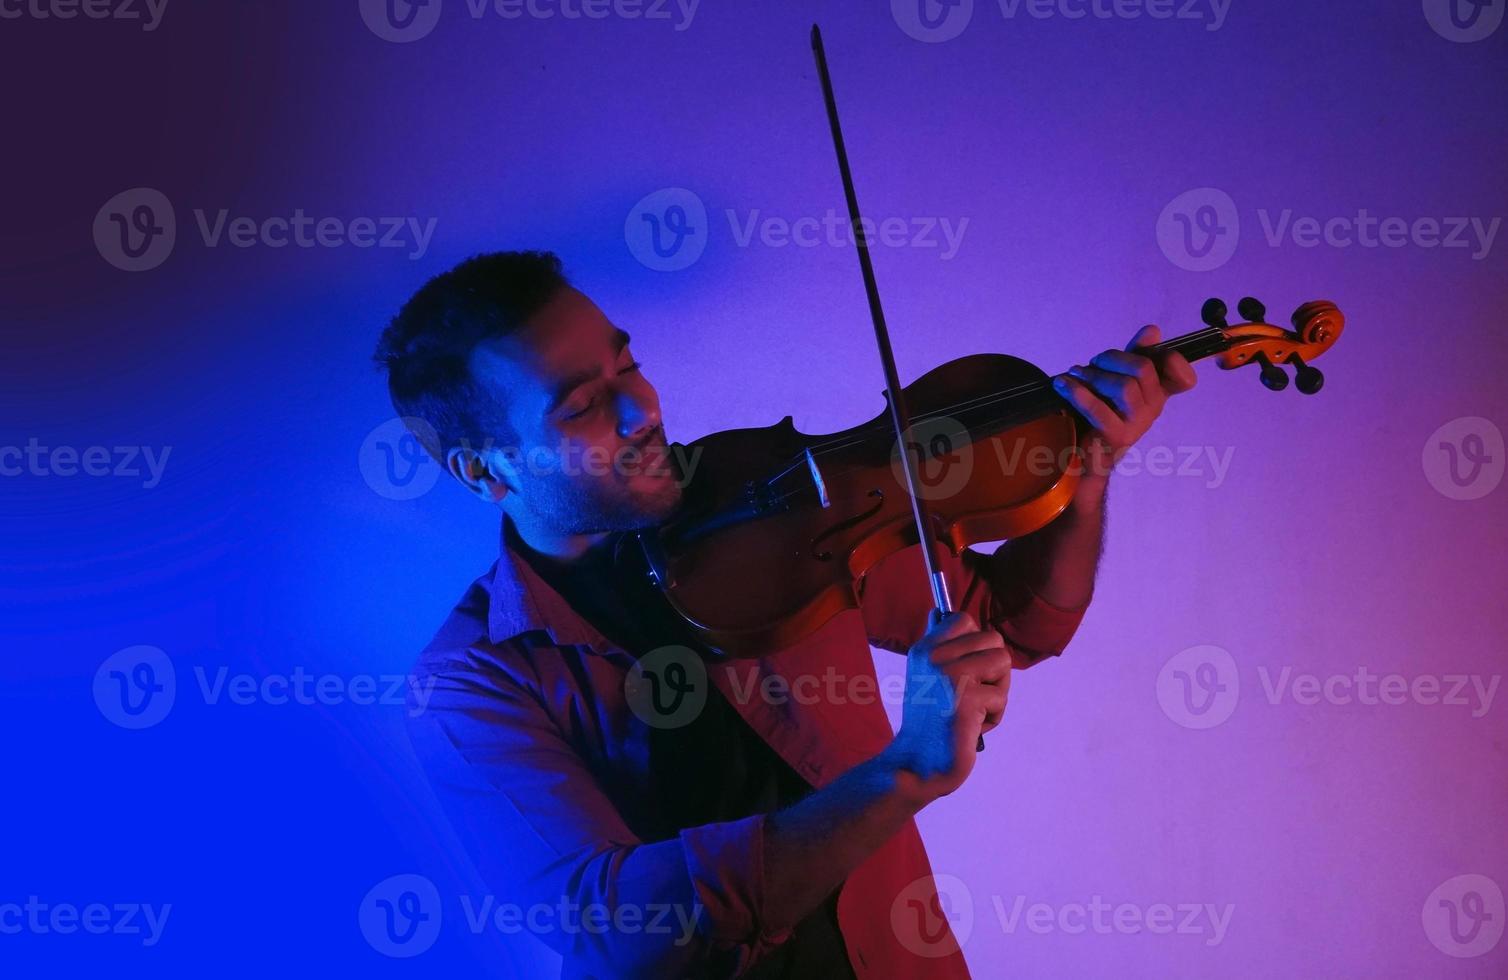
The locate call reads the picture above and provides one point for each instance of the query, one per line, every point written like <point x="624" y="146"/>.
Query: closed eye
<point x="627" y="369"/>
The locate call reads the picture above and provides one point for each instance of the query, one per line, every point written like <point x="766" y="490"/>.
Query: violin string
<point x="1024" y="390"/>
<point x="1188" y="342"/>
<point x="863" y="435"/>
<point x="1021" y="391"/>
<point x="1035" y="389"/>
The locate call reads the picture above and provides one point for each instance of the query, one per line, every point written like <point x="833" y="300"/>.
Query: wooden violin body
<point x="754" y="564"/>
<point x="778" y="526"/>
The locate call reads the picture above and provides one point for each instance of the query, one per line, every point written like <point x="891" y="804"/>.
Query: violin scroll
<point x="1316" y="327"/>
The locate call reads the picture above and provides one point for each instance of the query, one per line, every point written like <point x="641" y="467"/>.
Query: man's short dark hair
<point x="426" y="349"/>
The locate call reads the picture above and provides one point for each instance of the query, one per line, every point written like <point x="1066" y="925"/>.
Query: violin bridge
<point x="811" y="464"/>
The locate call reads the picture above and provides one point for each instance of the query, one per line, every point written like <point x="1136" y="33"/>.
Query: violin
<point x="778" y="526"/>
<point x="795" y="520"/>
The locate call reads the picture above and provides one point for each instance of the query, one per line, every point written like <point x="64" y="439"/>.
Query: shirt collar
<point x="522" y="601"/>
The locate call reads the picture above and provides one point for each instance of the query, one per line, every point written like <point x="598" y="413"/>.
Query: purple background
<point x="268" y="547"/>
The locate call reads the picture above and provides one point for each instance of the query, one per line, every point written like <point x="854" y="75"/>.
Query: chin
<point x="657" y="503"/>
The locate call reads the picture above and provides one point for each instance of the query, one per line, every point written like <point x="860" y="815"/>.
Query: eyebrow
<point x="564" y="390"/>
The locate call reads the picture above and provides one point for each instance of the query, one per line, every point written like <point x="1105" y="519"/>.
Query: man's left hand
<point x="1122" y="393"/>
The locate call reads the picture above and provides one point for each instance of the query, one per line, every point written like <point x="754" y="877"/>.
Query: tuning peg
<point x="1307" y="379"/>
<point x="1252" y="310"/>
<point x="1213" y="313"/>
<point x="1272" y="375"/>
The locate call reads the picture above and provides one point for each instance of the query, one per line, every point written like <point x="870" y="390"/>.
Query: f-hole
<point x="843" y="525"/>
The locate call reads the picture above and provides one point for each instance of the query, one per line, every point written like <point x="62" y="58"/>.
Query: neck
<point x="559" y="548"/>
<point x="1196" y="345"/>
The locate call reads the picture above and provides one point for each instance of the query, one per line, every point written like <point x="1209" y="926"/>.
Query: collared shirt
<point x="536" y="738"/>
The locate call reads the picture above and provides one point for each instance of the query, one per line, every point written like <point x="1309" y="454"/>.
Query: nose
<point x="638" y="414"/>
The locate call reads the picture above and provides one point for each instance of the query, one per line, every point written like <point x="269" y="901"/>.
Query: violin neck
<point x="998" y="411"/>
<point x="1196" y="345"/>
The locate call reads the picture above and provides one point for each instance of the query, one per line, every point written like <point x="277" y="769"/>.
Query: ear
<point x="477" y="474"/>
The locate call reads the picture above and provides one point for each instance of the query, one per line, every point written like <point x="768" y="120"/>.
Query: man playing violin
<point x="763" y="827"/>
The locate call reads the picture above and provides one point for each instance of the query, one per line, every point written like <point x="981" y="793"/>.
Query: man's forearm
<point x="812" y="846"/>
<point x="1059" y="561"/>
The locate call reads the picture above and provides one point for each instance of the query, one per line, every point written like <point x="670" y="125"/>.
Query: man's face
<point x="591" y="449"/>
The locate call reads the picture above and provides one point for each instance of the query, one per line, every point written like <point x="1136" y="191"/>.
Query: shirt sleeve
<point x="545" y="836"/>
<point x="896" y="598"/>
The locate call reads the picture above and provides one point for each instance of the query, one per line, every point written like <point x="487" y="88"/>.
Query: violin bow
<point x="893" y="393"/>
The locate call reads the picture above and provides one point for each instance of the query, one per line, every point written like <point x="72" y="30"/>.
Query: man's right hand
<point x="957" y="679"/>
